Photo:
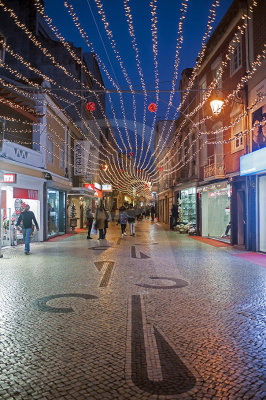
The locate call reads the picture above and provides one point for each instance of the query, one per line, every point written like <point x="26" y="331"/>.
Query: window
<point x="216" y="73"/>
<point x="237" y="136"/>
<point x="2" y="48"/>
<point x="236" y="58"/>
<point x="61" y="157"/>
<point x="203" y="87"/>
<point x="50" y="150"/>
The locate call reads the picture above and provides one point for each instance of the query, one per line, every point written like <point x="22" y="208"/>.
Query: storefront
<point x="79" y="199"/>
<point x="215" y="203"/>
<point x="253" y="166"/>
<point x="56" y="211"/>
<point x="18" y="191"/>
<point x="56" y="189"/>
<point x="187" y="206"/>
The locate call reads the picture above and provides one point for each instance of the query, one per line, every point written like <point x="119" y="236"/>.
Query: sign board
<point x="9" y="178"/>
<point x="98" y="193"/>
<point x="107" y="188"/>
<point x="89" y="186"/>
<point x="97" y="186"/>
<point x="22" y="154"/>
<point x="30" y="194"/>
<point x="253" y="163"/>
<point x="81" y="157"/>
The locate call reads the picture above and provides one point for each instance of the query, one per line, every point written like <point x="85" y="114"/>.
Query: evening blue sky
<point x="168" y="19"/>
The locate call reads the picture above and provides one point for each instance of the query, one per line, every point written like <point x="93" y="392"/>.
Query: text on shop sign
<point x="30" y="194"/>
<point x="8" y="178"/>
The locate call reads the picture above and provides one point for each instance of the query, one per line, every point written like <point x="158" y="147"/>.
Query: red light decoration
<point x="152" y="107"/>
<point x="121" y="170"/>
<point x="160" y="168"/>
<point x="146" y="185"/>
<point x="131" y="153"/>
<point x="138" y="170"/>
<point x="91" y="106"/>
<point x="104" y="167"/>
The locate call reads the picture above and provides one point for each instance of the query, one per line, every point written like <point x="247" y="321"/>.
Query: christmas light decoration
<point x="90" y="106"/>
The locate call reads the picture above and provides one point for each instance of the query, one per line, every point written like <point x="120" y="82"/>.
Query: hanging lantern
<point x="152" y="107"/>
<point x="91" y="106"/>
<point x="131" y="153"/>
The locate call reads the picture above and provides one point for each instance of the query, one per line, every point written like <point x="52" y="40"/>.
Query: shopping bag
<point x="93" y="229"/>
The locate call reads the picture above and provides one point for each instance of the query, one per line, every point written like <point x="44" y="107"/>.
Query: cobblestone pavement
<point x="155" y="316"/>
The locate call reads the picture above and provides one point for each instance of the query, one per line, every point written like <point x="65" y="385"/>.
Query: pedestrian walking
<point x="113" y="213"/>
<point x="131" y="219"/>
<point x="100" y="222"/>
<point x="147" y="212"/>
<point x="106" y="222"/>
<point x="152" y="213"/>
<point x="89" y="217"/>
<point x="122" y="219"/>
<point x="27" y="218"/>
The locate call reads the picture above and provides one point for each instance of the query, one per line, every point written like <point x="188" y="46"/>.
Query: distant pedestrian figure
<point x="152" y="213"/>
<point x="27" y="218"/>
<point x="113" y="213"/>
<point x="131" y="219"/>
<point x="89" y="217"/>
<point x="122" y="219"/>
<point x="106" y="222"/>
<point x="100" y="222"/>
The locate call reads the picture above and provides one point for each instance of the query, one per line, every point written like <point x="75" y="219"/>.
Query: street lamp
<point x="216" y="106"/>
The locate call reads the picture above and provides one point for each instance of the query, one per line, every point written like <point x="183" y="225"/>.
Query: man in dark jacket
<point x="89" y="217"/>
<point x="27" y="218"/>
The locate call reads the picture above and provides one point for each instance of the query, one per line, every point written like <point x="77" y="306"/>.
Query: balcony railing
<point x="214" y="169"/>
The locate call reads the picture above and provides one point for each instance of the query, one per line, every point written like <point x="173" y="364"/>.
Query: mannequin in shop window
<point x="228" y="229"/>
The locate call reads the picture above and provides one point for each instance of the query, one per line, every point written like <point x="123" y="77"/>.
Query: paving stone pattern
<point x="85" y="320"/>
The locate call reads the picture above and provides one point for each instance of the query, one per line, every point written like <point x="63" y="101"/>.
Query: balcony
<point x="214" y="169"/>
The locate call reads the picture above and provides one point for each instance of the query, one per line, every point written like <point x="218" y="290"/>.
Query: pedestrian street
<point x="154" y="316"/>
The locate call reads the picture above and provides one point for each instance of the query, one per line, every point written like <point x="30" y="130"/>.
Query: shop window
<point x="237" y="137"/>
<point x="61" y="157"/>
<point x="50" y="150"/>
<point x="236" y="58"/>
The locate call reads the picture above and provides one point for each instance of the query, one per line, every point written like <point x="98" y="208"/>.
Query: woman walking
<point x="100" y="222"/>
<point x="122" y="219"/>
<point x="131" y="219"/>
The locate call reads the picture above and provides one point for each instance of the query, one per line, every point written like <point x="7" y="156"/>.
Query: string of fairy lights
<point x="195" y="125"/>
<point x="182" y="162"/>
<point x="130" y="169"/>
<point x="230" y="96"/>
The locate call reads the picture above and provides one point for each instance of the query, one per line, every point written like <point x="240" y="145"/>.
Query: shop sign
<point x="29" y="194"/>
<point x="89" y="186"/>
<point x="97" y="186"/>
<point x="9" y="178"/>
<point x="107" y="188"/>
<point x="22" y="154"/>
<point x="98" y="193"/>
<point x="253" y="163"/>
<point x="81" y="157"/>
<point x="218" y="193"/>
